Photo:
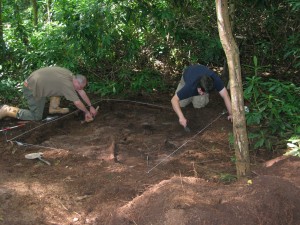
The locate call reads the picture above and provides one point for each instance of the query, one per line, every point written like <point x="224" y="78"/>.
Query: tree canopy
<point x="109" y="38"/>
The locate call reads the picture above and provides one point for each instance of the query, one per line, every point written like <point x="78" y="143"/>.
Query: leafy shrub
<point x="274" y="110"/>
<point x="133" y="81"/>
<point x="8" y="91"/>
<point x="227" y="178"/>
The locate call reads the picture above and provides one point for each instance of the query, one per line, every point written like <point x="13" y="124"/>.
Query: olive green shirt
<point x="52" y="81"/>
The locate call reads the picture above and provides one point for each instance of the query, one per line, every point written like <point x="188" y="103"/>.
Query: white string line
<point x="40" y="146"/>
<point x="138" y="102"/>
<point x="42" y="125"/>
<point x="61" y="117"/>
<point x="185" y="142"/>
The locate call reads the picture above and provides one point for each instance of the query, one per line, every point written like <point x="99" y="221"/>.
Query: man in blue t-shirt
<point x="196" y="82"/>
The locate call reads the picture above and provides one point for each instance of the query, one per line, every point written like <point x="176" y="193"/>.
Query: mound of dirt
<point x="266" y="199"/>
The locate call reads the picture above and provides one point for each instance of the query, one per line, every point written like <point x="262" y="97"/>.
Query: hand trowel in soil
<point x="187" y="129"/>
<point x="37" y="155"/>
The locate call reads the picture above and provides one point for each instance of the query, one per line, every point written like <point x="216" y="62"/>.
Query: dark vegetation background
<point x="129" y="48"/>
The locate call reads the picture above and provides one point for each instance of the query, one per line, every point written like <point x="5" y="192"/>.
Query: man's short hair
<point x="206" y="83"/>
<point x="81" y="79"/>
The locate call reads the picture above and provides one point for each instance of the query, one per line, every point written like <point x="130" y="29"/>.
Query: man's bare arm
<point x="224" y="94"/>
<point x="178" y="111"/>
<point x="85" y="98"/>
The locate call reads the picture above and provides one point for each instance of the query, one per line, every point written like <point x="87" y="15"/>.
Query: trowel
<point x="37" y="155"/>
<point x="49" y="118"/>
<point x="187" y="129"/>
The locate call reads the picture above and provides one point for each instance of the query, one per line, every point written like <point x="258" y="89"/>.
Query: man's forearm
<point x="81" y="106"/>
<point x="84" y="97"/>
<point x="228" y="105"/>
<point x="176" y="107"/>
<point x="224" y="94"/>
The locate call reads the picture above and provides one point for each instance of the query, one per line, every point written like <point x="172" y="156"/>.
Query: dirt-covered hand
<point x="88" y="117"/>
<point x="93" y="111"/>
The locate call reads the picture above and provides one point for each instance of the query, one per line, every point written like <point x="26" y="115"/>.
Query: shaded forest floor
<point x="134" y="164"/>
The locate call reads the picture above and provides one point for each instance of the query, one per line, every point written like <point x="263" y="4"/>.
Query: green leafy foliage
<point x="105" y="88"/>
<point x="8" y="91"/>
<point x="146" y="81"/>
<point x="93" y="35"/>
<point x="269" y="29"/>
<point x="295" y="4"/>
<point x="256" y="68"/>
<point x="274" y="110"/>
<point x="104" y="35"/>
<point x="227" y="178"/>
<point x="292" y="50"/>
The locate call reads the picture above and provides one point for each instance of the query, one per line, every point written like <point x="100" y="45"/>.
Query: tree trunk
<point x="49" y="2"/>
<point x="2" y="43"/>
<point x="225" y="72"/>
<point x="20" y="31"/>
<point x="35" y="13"/>
<point x="1" y="25"/>
<point x="236" y="89"/>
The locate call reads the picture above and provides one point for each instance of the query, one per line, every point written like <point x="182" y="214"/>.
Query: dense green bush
<point x="97" y="37"/>
<point x="274" y="111"/>
<point x="146" y="81"/>
<point x="10" y="91"/>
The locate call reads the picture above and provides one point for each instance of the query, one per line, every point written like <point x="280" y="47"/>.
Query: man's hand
<point x="93" y="111"/>
<point x="183" y="122"/>
<point x="224" y="94"/>
<point x="88" y="117"/>
<point x="177" y="109"/>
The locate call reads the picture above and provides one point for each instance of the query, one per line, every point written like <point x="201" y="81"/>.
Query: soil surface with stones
<point x="134" y="164"/>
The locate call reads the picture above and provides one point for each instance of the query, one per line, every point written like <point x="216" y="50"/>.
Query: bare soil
<point x="134" y="164"/>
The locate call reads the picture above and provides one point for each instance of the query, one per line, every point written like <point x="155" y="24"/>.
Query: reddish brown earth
<point x="134" y="164"/>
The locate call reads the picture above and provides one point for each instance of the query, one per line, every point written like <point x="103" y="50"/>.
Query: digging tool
<point x="82" y="122"/>
<point x="187" y="129"/>
<point x="37" y="155"/>
<point x="49" y="118"/>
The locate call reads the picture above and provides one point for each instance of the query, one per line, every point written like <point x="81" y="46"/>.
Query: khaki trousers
<point x="198" y="101"/>
<point x="36" y="106"/>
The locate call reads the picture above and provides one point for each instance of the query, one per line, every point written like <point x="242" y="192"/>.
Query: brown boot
<point x="9" y="111"/>
<point x="54" y="106"/>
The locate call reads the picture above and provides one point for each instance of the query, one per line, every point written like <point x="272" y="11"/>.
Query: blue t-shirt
<point x="191" y="77"/>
